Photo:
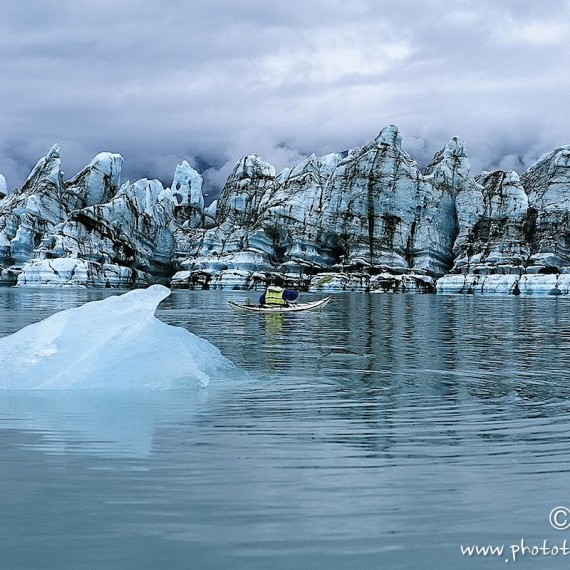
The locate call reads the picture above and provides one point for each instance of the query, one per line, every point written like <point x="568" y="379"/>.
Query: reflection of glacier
<point x="116" y="343"/>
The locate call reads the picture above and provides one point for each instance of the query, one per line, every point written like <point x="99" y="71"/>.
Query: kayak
<point x="293" y="308"/>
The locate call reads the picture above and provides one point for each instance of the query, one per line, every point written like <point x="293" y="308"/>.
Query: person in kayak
<point x="276" y="295"/>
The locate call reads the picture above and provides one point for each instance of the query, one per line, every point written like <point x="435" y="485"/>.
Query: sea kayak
<point x="292" y="308"/>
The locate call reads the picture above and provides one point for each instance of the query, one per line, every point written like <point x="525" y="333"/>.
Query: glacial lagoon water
<point x="387" y="431"/>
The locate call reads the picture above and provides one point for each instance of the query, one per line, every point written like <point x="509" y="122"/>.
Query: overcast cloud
<point x="159" y="81"/>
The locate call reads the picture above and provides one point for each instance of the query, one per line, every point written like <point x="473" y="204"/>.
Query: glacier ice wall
<point x="369" y="217"/>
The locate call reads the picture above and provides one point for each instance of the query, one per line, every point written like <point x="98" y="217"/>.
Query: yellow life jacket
<point x="274" y="296"/>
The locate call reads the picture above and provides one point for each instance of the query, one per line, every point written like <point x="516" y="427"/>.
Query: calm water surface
<point x="384" y="432"/>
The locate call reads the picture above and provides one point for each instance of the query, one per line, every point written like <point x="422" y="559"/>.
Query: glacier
<point x="116" y="343"/>
<point x="370" y="218"/>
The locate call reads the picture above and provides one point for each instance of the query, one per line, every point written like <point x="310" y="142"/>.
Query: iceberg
<point x="115" y="343"/>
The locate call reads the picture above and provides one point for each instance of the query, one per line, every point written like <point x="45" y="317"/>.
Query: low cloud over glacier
<point x="161" y="82"/>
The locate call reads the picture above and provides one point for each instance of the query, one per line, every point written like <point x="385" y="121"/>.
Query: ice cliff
<point x="515" y="231"/>
<point x="116" y="343"/>
<point x="89" y="230"/>
<point x="370" y="219"/>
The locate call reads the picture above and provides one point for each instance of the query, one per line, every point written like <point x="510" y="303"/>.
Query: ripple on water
<point x="383" y="431"/>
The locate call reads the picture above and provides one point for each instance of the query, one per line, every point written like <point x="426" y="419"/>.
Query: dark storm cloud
<point x="160" y="81"/>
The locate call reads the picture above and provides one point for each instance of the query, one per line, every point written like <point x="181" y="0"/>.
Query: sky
<point x="161" y="81"/>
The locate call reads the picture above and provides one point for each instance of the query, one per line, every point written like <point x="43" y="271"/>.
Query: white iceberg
<point x="113" y="343"/>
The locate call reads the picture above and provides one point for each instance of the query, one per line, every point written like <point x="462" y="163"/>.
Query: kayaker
<point x="276" y="295"/>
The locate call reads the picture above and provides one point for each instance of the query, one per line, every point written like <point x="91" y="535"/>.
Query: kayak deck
<point x="293" y="308"/>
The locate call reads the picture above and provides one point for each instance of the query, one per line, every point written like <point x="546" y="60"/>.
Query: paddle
<point x="324" y="280"/>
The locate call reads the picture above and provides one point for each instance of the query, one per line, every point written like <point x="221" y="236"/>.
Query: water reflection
<point x="384" y="430"/>
<point x="117" y="424"/>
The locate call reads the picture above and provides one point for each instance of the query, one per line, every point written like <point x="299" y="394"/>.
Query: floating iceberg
<point x="113" y="343"/>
